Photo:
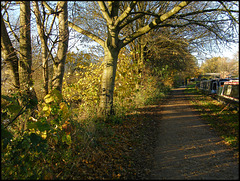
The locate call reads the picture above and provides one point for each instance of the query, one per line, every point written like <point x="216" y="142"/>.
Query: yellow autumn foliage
<point x="53" y="96"/>
<point x="65" y="111"/>
<point x="85" y="90"/>
<point x="46" y="109"/>
<point x="132" y="87"/>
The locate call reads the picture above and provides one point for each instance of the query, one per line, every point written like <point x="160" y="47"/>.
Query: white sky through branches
<point x="76" y="44"/>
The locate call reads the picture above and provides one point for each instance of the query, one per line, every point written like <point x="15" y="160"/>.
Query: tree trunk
<point x="50" y="74"/>
<point x="10" y="56"/>
<point x="45" y="69"/>
<point x="43" y="38"/>
<point x="25" y="63"/>
<point x="59" y="61"/>
<point x="108" y="81"/>
<point x="139" y="59"/>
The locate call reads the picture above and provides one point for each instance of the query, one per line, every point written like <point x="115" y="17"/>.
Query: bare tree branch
<point x="229" y="11"/>
<point x="87" y="33"/>
<point x="125" y="14"/>
<point x="201" y="11"/>
<point x="78" y="29"/>
<point x="9" y="25"/>
<point x="153" y="24"/>
<point x="105" y="12"/>
<point x="130" y="20"/>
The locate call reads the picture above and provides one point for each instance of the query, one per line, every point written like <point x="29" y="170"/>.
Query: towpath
<point x="187" y="148"/>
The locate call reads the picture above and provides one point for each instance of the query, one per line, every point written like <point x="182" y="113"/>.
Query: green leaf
<point x="43" y="126"/>
<point x="35" y="139"/>
<point x="39" y="125"/>
<point x="6" y="137"/>
<point x="43" y="147"/>
<point x="32" y="103"/>
<point x="32" y="125"/>
<point x="67" y="139"/>
<point x="10" y="99"/>
<point x="14" y="108"/>
<point x="57" y="95"/>
<point x="6" y="134"/>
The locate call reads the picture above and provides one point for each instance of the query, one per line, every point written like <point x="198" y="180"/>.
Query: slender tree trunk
<point x="108" y="81"/>
<point x="10" y="56"/>
<point x="60" y="59"/>
<point x="43" y="38"/>
<point x="25" y="61"/>
<point x="139" y="59"/>
<point x="25" y="64"/>
<point x="45" y="69"/>
<point x="50" y="73"/>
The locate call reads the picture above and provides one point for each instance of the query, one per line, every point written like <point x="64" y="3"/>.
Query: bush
<point x="65" y="134"/>
<point x="25" y="149"/>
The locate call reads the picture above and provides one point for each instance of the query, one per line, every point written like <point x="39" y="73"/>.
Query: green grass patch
<point x="222" y="118"/>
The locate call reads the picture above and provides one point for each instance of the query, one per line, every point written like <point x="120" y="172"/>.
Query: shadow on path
<point x="187" y="148"/>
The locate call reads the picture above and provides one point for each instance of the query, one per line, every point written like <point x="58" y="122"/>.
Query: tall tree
<point x="52" y="66"/>
<point x="10" y="56"/>
<point x="25" y="60"/>
<point x="45" y="30"/>
<point x="44" y="47"/>
<point x="172" y="14"/>
<point x="59" y="60"/>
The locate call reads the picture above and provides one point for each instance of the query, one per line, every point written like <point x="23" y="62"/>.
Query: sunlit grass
<point x="221" y="117"/>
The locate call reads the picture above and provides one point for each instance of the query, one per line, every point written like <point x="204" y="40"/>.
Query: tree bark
<point x="10" y="56"/>
<point x="25" y="63"/>
<point x="60" y="59"/>
<point x="43" y="38"/>
<point x="108" y="81"/>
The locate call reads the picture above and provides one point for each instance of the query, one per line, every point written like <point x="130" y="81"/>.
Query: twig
<point x="20" y="112"/>
<point x="223" y="108"/>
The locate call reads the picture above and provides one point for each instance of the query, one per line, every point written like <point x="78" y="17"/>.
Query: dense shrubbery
<point x="132" y="89"/>
<point x="64" y="133"/>
<point x="28" y="142"/>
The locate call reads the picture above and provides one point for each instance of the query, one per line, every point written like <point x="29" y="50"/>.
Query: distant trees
<point x="168" y="49"/>
<point x="222" y="65"/>
<point x="169" y="56"/>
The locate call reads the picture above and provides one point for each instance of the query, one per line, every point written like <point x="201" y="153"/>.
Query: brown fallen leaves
<point x="115" y="151"/>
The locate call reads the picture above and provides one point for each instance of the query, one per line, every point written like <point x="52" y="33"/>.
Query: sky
<point x="226" y="52"/>
<point x="230" y="52"/>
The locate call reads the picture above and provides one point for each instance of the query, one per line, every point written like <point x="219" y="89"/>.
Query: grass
<point x="221" y="117"/>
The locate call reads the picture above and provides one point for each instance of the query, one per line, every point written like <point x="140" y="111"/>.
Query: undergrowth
<point x="64" y="138"/>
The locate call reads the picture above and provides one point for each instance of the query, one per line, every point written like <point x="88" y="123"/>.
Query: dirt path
<point x="187" y="148"/>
